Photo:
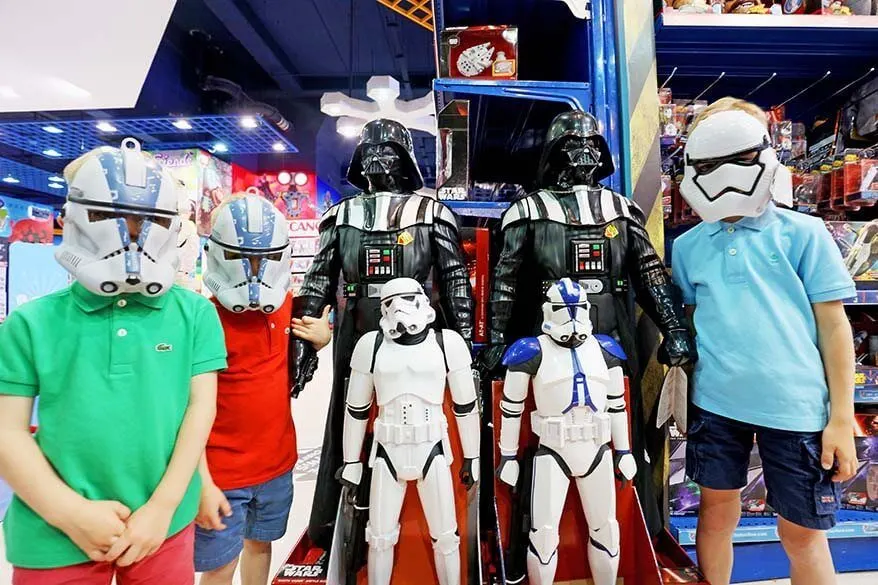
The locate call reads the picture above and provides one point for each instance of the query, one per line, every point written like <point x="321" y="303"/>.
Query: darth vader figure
<point x="573" y="227"/>
<point x="386" y="232"/>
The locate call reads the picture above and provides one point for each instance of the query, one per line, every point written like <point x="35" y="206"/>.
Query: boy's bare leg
<point x="255" y="562"/>
<point x="808" y="551"/>
<point x="221" y="576"/>
<point x="718" y="517"/>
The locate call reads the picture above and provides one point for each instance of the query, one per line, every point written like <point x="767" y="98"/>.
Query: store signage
<point x="304" y="227"/>
<point x="175" y="159"/>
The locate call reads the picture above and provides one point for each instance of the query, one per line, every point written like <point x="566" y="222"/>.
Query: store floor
<point x="309" y="412"/>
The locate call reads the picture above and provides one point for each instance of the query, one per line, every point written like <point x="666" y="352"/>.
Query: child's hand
<point x="838" y="444"/>
<point x="145" y="532"/>
<point x="314" y="330"/>
<point x="213" y="508"/>
<point x="94" y="526"/>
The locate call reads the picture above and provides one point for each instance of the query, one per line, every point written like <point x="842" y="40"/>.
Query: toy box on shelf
<point x="858" y="242"/>
<point x="452" y="152"/>
<point x="20" y="221"/>
<point x="479" y="52"/>
<point x="477" y="248"/>
<point x="861" y="492"/>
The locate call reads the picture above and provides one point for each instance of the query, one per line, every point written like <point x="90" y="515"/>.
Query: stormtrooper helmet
<point x="405" y="308"/>
<point x="566" y="313"/>
<point x="731" y="168"/>
<point x="120" y="222"/>
<point x="248" y="256"/>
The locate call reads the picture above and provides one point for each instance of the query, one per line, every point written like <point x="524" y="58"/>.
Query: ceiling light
<point x="284" y="178"/>
<point x="51" y="152"/>
<point x="11" y="180"/>
<point x="56" y="178"/>
<point x="182" y="124"/>
<point x="56" y="186"/>
<point x="220" y="147"/>
<point x="301" y="179"/>
<point x="349" y="127"/>
<point x="106" y="127"/>
<point x="249" y="122"/>
<point x="278" y="147"/>
<point x="52" y="130"/>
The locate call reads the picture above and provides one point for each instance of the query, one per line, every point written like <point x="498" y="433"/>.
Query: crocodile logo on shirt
<point x="163" y="347"/>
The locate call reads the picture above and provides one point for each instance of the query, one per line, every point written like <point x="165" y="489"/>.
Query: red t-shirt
<point x="253" y="439"/>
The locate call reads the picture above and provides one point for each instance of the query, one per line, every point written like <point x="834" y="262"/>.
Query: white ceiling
<point x="77" y="54"/>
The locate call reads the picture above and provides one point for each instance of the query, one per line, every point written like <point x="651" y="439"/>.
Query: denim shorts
<point x="259" y="513"/>
<point x="798" y="488"/>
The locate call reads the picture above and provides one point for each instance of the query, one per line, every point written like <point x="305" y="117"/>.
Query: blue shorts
<point x="799" y="489"/>
<point x="258" y="513"/>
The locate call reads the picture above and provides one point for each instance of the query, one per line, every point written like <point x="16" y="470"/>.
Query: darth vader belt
<point x="367" y="290"/>
<point x="595" y="286"/>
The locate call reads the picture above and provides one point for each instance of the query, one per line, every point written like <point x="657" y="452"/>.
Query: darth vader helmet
<point x="575" y="151"/>
<point x="385" y="148"/>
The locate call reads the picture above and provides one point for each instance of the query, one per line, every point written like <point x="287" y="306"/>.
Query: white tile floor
<point x="309" y="412"/>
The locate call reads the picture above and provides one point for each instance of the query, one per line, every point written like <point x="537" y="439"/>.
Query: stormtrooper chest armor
<point x="416" y="370"/>
<point x="570" y="378"/>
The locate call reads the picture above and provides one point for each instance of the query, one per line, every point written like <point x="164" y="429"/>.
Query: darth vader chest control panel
<point x="380" y="262"/>
<point x="587" y="257"/>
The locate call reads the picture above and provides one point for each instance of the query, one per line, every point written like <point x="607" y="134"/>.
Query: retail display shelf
<point x="754" y="530"/>
<point x="492" y="209"/>
<point x="864" y="297"/>
<point x="787" y="21"/>
<point x="575" y="94"/>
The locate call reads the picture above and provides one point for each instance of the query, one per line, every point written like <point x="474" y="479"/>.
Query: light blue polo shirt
<point x="753" y="283"/>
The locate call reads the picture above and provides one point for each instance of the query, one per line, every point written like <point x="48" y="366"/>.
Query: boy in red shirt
<point x="248" y="488"/>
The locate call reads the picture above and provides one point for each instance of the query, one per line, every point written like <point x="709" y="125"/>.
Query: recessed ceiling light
<point x="182" y="124"/>
<point x="11" y="180"/>
<point x="56" y="178"/>
<point x="249" y="122"/>
<point x="52" y="130"/>
<point x="220" y="147"/>
<point x="278" y="147"/>
<point x="56" y="186"/>
<point x="51" y="152"/>
<point x="106" y="127"/>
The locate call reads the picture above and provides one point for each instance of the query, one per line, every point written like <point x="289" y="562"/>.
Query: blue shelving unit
<point x="576" y="95"/>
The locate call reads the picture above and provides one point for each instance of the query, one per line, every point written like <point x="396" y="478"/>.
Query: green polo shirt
<point x="112" y="375"/>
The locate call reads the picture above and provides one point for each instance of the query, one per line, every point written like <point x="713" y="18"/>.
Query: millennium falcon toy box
<point x="479" y="52"/>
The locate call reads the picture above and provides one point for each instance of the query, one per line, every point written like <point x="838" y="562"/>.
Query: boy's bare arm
<point x="148" y="526"/>
<point x="315" y="330"/>
<point x="92" y="526"/>
<point x="837" y="350"/>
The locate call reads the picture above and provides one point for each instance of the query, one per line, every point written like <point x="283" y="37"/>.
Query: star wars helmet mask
<point x="248" y="256"/>
<point x="385" y="148"/>
<point x="566" y="313"/>
<point x="730" y="167"/>
<point x="405" y="308"/>
<point x="121" y="223"/>
<point x="574" y="145"/>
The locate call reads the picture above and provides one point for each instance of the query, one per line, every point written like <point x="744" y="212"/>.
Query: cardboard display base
<point x="413" y="555"/>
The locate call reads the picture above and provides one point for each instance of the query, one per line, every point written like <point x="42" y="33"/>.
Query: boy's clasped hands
<point x="108" y="532"/>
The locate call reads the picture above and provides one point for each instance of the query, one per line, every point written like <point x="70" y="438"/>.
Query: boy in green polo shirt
<point x="124" y="363"/>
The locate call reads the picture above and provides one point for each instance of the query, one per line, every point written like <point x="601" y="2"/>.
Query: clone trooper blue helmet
<point x="566" y="313"/>
<point x="248" y="256"/>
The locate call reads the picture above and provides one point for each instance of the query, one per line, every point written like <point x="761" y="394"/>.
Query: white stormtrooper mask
<point x="566" y="313"/>
<point x="121" y="223"/>
<point x="249" y="266"/>
<point x="731" y="168"/>
<point x="405" y="308"/>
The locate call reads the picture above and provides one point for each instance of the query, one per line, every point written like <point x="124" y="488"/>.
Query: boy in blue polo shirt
<point x="776" y="352"/>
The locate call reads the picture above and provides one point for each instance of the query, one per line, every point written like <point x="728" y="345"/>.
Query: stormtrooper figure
<point x="579" y="391"/>
<point x="388" y="231"/>
<point x="406" y="365"/>
<point x="120" y="223"/>
<point x="731" y="169"/>
<point x="249" y="256"/>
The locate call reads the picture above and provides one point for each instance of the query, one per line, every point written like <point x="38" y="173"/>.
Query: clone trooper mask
<point x="373" y="164"/>
<point x="405" y="308"/>
<point x="566" y="313"/>
<point x="731" y="168"/>
<point x="120" y="223"/>
<point x="248" y="256"/>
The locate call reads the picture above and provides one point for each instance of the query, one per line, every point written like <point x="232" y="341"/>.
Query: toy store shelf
<point x="478" y="208"/>
<point x="752" y="44"/>
<point x="864" y="297"/>
<point x="866" y="389"/>
<point x="572" y="93"/>
<point x="753" y="530"/>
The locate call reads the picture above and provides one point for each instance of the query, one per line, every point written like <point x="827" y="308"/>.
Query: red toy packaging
<point x="861" y="492"/>
<point x="479" y="52"/>
<point x="860" y="178"/>
<point x="477" y="247"/>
